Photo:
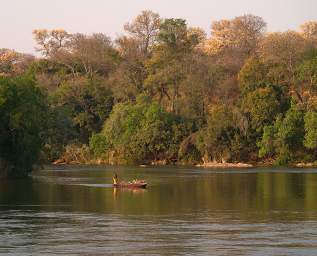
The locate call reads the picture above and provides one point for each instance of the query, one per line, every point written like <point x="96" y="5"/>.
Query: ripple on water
<point x="55" y="233"/>
<point x="185" y="211"/>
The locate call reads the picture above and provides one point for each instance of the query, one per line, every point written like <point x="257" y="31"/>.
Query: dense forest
<point x="162" y="93"/>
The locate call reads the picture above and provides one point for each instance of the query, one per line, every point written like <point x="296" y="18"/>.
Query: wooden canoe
<point x="130" y="185"/>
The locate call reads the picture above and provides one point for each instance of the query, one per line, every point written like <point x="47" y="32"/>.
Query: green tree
<point x="284" y="139"/>
<point x="263" y="105"/>
<point x="307" y="74"/>
<point x="253" y="75"/>
<point x="22" y="125"/>
<point x="220" y="140"/>
<point x="89" y="103"/>
<point x="140" y="132"/>
<point x="60" y="132"/>
<point x="168" y="66"/>
<point x="310" y="119"/>
<point x="128" y="78"/>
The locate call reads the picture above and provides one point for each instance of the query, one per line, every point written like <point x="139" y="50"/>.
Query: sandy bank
<point x="225" y="165"/>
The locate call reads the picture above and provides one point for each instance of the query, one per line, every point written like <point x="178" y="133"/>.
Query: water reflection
<point x="183" y="211"/>
<point x="117" y="191"/>
<point x="169" y="192"/>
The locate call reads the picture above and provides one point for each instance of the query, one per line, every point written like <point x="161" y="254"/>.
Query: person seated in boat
<point x="115" y="179"/>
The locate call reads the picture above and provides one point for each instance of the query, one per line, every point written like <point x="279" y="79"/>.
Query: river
<point x="73" y="210"/>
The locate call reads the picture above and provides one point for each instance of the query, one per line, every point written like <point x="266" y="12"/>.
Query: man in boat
<point x="115" y="179"/>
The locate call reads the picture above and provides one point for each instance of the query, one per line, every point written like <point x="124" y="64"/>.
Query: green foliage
<point x="49" y="67"/>
<point x="220" y="140"/>
<point x="253" y="75"/>
<point x="290" y="130"/>
<point x="22" y="124"/>
<point x="162" y="92"/>
<point x="285" y="137"/>
<point x="307" y="72"/>
<point x="310" y="120"/>
<point x="172" y="63"/>
<point x="140" y="132"/>
<point x="263" y="105"/>
<point x="266" y="145"/>
<point x="174" y="35"/>
<point x="98" y="144"/>
<point x="188" y="151"/>
<point x="173" y="32"/>
<point x="60" y="132"/>
<point x="89" y="102"/>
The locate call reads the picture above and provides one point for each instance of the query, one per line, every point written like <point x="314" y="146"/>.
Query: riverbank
<point x="203" y="165"/>
<point x="306" y="165"/>
<point x="160" y="163"/>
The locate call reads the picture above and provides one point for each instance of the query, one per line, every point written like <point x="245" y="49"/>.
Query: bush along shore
<point x="162" y="93"/>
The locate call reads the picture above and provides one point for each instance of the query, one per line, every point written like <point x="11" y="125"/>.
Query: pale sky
<point x="19" y="17"/>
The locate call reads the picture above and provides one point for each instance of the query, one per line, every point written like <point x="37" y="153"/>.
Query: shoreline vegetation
<point x="163" y="93"/>
<point x="203" y="165"/>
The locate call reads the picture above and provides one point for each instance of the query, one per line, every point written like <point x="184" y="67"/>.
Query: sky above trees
<point x="21" y="17"/>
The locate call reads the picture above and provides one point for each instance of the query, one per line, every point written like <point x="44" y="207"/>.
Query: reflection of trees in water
<point x="215" y="192"/>
<point x="176" y="212"/>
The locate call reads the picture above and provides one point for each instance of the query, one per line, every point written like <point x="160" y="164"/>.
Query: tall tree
<point x="128" y="78"/>
<point x="283" y="52"/>
<point x="241" y="34"/>
<point x="309" y="31"/>
<point x="50" y="41"/>
<point x="169" y="62"/>
<point x="91" y="54"/>
<point x="23" y="112"/>
<point x="144" y="29"/>
<point x="89" y="102"/>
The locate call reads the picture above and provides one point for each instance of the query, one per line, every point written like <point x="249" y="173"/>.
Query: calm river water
<point x="184" y="211"/>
